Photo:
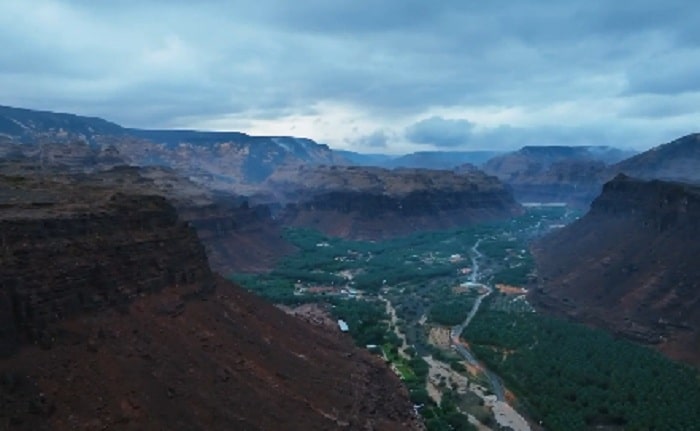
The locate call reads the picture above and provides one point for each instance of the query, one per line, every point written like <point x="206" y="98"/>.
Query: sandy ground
<point x="313" y="313"/>
<point x="438" y="370"/>
<point x="392" y="316"/>
<point x="439" y="337"/>
<point x="510" y="290"/>
<point x="505" y="415"/>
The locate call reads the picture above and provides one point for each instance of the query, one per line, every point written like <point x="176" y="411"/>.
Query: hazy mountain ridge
<point x="553" y="174"/>
<point x="445" y="160"/>
<point x="27" y="125"/>
<point x="576" y="174"/>
<point x="230" y="161"/>
<point x="677" y="160"/>
<point x="373" y="203"/>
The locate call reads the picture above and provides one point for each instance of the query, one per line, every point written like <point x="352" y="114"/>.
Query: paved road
<point x="456" y="331"/>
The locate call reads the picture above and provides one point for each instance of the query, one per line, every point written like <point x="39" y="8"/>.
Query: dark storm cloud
<point x="441" y="132"/>
<point x="661" y="106"/>
<point x="670" y="74"/>
<point x="175" y="63"/>
<point x="377" y="139"/>
<point x="451" y="133"/>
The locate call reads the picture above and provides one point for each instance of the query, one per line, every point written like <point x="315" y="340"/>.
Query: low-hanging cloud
<point x="374" y="141"/>
<point x="441" y="132"/>
<point x="444" y="133"/>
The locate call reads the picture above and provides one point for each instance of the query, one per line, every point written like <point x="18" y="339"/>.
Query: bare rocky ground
<point x="229" y="361"/>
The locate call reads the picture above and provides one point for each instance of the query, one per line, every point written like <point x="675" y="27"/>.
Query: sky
<point x="381" y="76"/>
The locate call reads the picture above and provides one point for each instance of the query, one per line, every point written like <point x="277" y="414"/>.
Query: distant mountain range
<point x="240" y="163"/>
<point x="446" y="160"/>
<point x="220" y="160"/>
<point x="556" y="173"/>
<point x="576" y="174"/>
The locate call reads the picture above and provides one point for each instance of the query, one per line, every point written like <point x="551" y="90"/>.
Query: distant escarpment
<point x="371" y="203"/>
<point x="233" y="162"/>
<point x="632" y="265"/>
<point x="444" y="160"/>
<point x="573" y="175"/>
<point x="111" y="319"/>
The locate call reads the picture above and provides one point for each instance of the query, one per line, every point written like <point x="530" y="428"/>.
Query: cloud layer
<point x="388" y="75"/>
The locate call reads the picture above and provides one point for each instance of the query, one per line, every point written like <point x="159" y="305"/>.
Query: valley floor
<point x="420" y="303"/>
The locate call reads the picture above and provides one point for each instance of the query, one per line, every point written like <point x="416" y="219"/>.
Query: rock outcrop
<point x="631" y="265"/>
<point x="111" y="319"/>
<point x="58" y="262"/>
<point x="371" y="203"/>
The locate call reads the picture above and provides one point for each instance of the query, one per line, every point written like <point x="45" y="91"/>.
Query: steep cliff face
<point x="373" y="203"/>
<point x="111" y="319"/>
<point x="57" y="263"/>
<point x="631" y="265"/>
<point x="237" y="237"/>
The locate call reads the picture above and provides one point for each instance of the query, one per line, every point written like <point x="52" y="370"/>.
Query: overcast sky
<point x="386" y="76"/>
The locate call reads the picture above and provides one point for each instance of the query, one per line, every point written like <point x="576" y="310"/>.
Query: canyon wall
<point x="57" y="264"/>
<point x="373" y="203"/>
<point x="631" y="265"/>
<point x="112" y="319"/>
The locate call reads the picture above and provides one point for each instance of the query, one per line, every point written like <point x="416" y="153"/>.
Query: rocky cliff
<point x="371" y="203"/>
<point x="111" y="319"/>
<point x="631" y="265"/>
<point x="237" y="237"/>
<point x="677" y="160"/>
<point x="65" y="256"/>
<point x="227" y="161"/>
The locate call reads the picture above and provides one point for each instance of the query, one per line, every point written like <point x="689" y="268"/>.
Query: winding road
<point x="456" y="331"/>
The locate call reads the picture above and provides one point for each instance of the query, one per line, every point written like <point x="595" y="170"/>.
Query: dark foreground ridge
<point x="112" y="320"/>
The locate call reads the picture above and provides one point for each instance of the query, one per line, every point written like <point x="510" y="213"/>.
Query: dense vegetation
<point x="573" y="377"/>
<point x="421" y="276"/>
<point x="367" y="321"/>
<point x="451" y="311"/>
<point x="443" y="417"/>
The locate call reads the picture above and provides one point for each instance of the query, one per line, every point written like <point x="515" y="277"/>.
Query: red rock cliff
<point x="631" y="265"/>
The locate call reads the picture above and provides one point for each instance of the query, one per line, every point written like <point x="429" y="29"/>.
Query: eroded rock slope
<point x="631" y="265"/>
<point x="112" y="319"/>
